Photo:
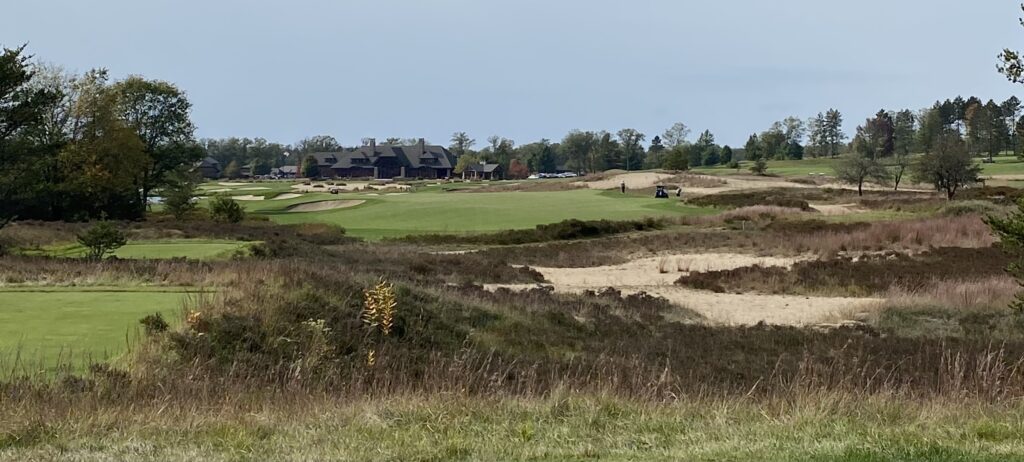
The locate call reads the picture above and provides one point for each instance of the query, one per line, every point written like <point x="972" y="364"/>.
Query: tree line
<point x="79" y="147"/>
<point x="948" y="135"/>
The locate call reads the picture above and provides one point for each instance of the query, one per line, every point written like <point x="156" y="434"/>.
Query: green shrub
<point x="226" y="210"/>
<point x="760" y="166"/>
<point x="154" y="324"/>
<point x="101" y="239"/>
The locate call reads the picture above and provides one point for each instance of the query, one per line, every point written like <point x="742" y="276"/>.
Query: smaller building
<point x="483" y="171"/>
<point x="287" y="171"/>
<point x="209" y="168"/>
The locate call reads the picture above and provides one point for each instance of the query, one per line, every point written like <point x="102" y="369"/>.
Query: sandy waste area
<point x="657" y="275"/>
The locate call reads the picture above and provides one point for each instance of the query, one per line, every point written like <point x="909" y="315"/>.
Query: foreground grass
<point x="803" y="428"/>
<point x="433" y="211"/>
<point x="48" y="326"/>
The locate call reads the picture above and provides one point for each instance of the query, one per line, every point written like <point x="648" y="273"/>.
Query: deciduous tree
<point x="949" y="166"/>
<point x="858" y="168"/>
<point x="676" y="135"/>
<point x="517" y="170"/>
<point x="159" y="113"/>
<point x="631" y="141"/>
<point x="310" y="168"/>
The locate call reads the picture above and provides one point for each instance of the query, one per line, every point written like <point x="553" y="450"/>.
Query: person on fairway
<point x="622" y="186"/>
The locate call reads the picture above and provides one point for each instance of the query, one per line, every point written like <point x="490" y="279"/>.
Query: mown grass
<point x="47" y="327"/>
<point x="560" y="428"/>
<point x="435" y="212"/>
<point x="1004" y="165"/>
<point x="199" y="249"/>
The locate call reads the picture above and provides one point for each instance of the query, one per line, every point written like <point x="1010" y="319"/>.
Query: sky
<point x="528" y="69"/>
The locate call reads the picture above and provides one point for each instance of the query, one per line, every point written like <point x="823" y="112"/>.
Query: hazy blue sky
<point x="527" y="69"/>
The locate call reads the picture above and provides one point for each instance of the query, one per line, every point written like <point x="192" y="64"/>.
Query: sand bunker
<point x="247" y="198"/>
<point x="657" y="275"/>
<point x="836" y="210"/>
<point x="639" y="180"/>
<point x="350" y="187"/>
<point x="256" y="188"/>
<point x="658" y="271"/>
<point x="285" y="196"/>
<point x="232" y="184"/>
<point x="325" y="205"/>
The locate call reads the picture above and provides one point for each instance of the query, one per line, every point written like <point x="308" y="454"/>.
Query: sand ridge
<point x="324" y="205"/>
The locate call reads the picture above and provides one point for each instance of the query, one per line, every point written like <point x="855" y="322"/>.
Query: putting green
<point x="45" y="327"/>
<point x="435" y="211"/>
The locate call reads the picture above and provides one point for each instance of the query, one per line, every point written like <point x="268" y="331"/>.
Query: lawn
<point x="197" y="249"/>
<point x="432" y="210"/>
<point x="48" y="325"/>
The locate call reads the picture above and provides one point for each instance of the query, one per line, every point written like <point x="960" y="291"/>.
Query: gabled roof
<point x="325" y="159"/>
<point x="208" y="162"/>
<point x="483" y="168"/>
<point x="408" y="156"/>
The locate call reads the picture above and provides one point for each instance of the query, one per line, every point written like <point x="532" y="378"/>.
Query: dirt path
<point x="657" y="275"/>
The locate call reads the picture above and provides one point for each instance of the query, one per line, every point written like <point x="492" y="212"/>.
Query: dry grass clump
<point x="974" y="308"/>
<point x="690" y="180"/>
<point x="967" y="231"/>
<point x="992" y="293"/>
<point x="755" y="214"/>
<point x="870" y="275"/>
<point x="36" y="234"/>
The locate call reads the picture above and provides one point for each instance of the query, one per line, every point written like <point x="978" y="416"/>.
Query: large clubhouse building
<point x="387" y="161"/>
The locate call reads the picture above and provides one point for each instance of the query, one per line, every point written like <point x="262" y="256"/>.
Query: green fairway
<point x="45" y="326"/>
<point x="1004" y="165"/>
<point x="787" y="168"/>
<point x="434" y="211"/>
<point x="198" y="249"/>
<point x="266" y="189"/>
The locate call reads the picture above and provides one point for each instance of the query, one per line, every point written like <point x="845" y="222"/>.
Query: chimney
<point x="422" y="145"/>
<point x="373" y="145"/>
